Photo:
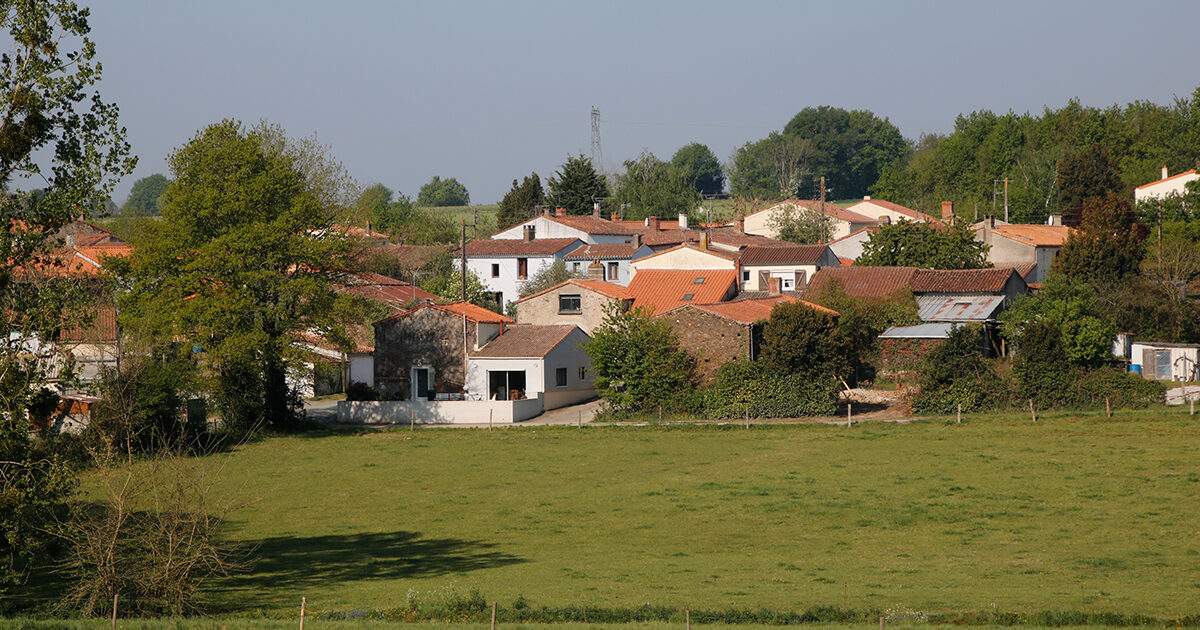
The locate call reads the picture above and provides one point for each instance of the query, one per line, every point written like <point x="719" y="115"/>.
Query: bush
<point x="751" y="388"/>
<point x="141" y="407"/>
<point x="955" y="374"/>
<point x="1041" y="367"/>
<point x="1121" y="388"/>
<point x="361" y="391"/>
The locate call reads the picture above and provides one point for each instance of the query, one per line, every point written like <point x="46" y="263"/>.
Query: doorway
<point x="421" y="379"/>
<point x="506" y="384"/>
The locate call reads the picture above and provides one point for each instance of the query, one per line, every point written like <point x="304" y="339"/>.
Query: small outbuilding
<point x="1162" y="361"/>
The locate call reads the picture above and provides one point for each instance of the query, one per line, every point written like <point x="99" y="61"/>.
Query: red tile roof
<point x="895" y="207"/>
<point x="520" y="247"/>
<point x="593" y="225"/>
<point x="664" y="289"/>
<point x="829" y="209"/>
<point x="718" y="253"/>
<point x="750" y="311"/>
<point x="607" y="289"/>
<point x="474" y="313"/>
<point x="961" y="280"/>
<point x="525" y="341"/>
<point x="380" y="288"/>
<point x="1191" y="172"/>
<point x="608" y="251"/>
<point x="863" y="282"/>
<point x="100" y="327"/>
<point x="783" y="255"/>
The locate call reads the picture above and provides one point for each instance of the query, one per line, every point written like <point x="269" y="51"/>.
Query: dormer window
<point x="687" y="297"/>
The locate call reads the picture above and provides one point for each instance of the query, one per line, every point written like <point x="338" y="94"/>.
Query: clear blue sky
<point x="490" y="91"/>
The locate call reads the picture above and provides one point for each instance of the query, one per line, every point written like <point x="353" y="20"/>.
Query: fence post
<point x="1031" y="411"/>
<point x="490" y="419"/>
<point x="687" y="618"/>
<point x="849" y="412"/>
<point x="1191" y="406"/>
<point x="959" y="421"/>
<point x="1107" y="407"/>
<point x="493" y="615"/>
<point x="303" y="604"/>
<point x="881" y="622"/>
<point x="412" y="420"/>
<point x="114" y="619"/>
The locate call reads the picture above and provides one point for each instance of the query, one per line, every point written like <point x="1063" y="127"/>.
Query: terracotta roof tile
<point x="607" y="251"/>
<point x="380" y="288"/>
<point x="520" y="247"/>
<point x="606" y="289"/>
<point x="525" y="341"/>
<point x="863" y="282"/>
<point x="593" y="225"/>
<point x="961" y="280"/>
<point x="474" y="313"/>
<point x="664" y="289"/>
<point x="783" y="255"/>
<point x="829" y="209"/>
<point x="1037" y="235"/>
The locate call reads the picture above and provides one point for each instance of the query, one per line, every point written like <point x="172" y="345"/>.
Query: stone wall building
<point x="579" y="302"/>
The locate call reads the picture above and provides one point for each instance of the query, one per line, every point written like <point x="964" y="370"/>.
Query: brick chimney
<point x="529" y="233"/>
<point x="947" y="211"/>
<point x="773" y="286"/>
<point x="652" y="222"/>
<point x="596" y="209"/>
<point x="595" y="270"/>
<point x="741" y="224"/>
<point x="560" y="212"/>
<point x="368" y="227"/>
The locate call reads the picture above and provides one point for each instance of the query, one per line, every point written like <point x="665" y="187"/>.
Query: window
<point x="522" y="268"/>
<point x="745" y="276"/>
<point x="560" y="377"/>
<point x="612" y="271"/>
<point x="582" y="372"/>
<point x="687" y="297"/>
<point x="698" y="280"/>
<point x="574" y="267"/>
<point x="495" y="270"/>
<point x="570" y="304"/>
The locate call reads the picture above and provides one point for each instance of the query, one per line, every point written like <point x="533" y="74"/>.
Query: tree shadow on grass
<point x="285" y="565"/>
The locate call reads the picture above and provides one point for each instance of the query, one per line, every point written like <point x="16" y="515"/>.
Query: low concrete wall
<point x="438" y="412"/>
<point x="562" y="398"/>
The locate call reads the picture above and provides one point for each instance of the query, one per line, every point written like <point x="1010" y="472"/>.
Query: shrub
<point x="1041" y="367"/>
<point x="1121" y="388"/>
<point x="361" y="391"/>
<point x="638" y="362"/>
<point x="751" y="388"/>
<point x="954" y="374"/>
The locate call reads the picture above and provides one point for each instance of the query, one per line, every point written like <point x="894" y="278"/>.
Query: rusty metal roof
<point x="961" y="308"/>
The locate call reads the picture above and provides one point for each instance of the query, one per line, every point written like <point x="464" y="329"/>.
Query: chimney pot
<point x="741" y="224"/>
<point x="1164" y="171"/>
<point x="683" y="224"/>
<point x="368" y="227"/>
<point x="866" y="197"/>
<point x="596" y="209"/>
<point x="947" y="210"/>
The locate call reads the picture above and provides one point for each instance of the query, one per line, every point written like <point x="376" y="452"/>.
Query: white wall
<point x="540" y="373"/>
<point x="545" y="228"/>
<point x="1177" y="186"/>
<point x="683" y="258"/>
<point x="362" y="368"/>
<point x="776" y="271"/>
<point x="508" y="282"/>
<point x="403" y="412"/>
<point x="869" y="208"/>
<point x="1183" y="360"/>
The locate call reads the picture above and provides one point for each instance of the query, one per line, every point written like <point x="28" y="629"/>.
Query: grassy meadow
<point x="1074" y="512"/>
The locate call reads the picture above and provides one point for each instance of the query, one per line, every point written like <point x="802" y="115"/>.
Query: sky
<point x="488" y="92"/>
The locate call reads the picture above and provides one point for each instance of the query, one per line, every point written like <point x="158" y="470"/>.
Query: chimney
<point x="948" y="211"/>
<point x="368" y="227"/>
<point x="529" y="234"/>
<point x="545" y="211"/>
<point x="773" y="286"/>
<point x="560" y="212"/>
<point x="616" y="216"/>
<point x="652" y="222"/>
<point x="1164" y="171"/>
<point x="866" y="197"/>
<point x="683" y="221"/>
<point x="1054" y="219"/>
<point x="704" y="240"/>
<point x="991" y="221"/>
<point x="637" y="241"/>
<point x="595" y="270"/>
<point x="741" y="224"/>
<point x="596" y="209"/>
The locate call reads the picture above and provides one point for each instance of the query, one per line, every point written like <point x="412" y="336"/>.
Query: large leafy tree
<point x="798" y="224"/>
<point x="700" y="168"/>
<point x="53" y="126"/>
<point x="1107" y="247"/>
<point x="638" y="362"/>
<point x="443" y="192"/>
<point x="909" y="244"/>
<point x="519" y="202"/>
<point x="1084" y="174"/>
<point x="777" y="167"/>
<point x="1071" y="307"/>
<point x="799" y="339"/>
<point x="144" y="196"/>
<point x="577" y="185"/>
<point x="651" y="187"/>
<point x="243" y="258"/>
<point x="849" y="148"/>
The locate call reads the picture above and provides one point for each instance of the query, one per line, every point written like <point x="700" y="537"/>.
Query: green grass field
<point x="1077" y="513"/>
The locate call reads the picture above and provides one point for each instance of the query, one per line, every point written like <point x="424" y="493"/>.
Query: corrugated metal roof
<point x="664" y="289"/>
<point x="520" y="247"/>
<point x="920" y="331"/>
<point x="525" y="341"/>
<point x="961" y="280"/>
<point x="963" y="308"/>
<point x="784" y="255"/>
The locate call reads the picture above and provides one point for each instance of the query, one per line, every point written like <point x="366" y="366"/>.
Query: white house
<point x="531" y="361"/>
<point x="587" y="228"/>
<point x="613" y="258"/>
<point x="881" y="210"/>
<point x="792" y="265"/>
<point x="1013" y="245"/>
<point x="850" y="246"/>
<point x="687" y="257"/>
<point x="505" y="265"/>
<point x="1174" y="185"/>
<point x="841" y="220"/>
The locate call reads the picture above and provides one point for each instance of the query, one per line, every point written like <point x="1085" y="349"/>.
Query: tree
<point x="443" y="192"/>
<point x="801" y="225"/>
<point x="861" y="320"/>
<point x="799" y="339"/>
<point x="518" y="203"/>
<point x="850" y="148"/>
<point x="1043" y="374"/>
<point x="954" y="376"/>
<point x="776" y="167"/>
<point x="1107" y="247"/>
<point x="638" y="362"/>
<point x="699" y="168"/>
<point x="548" y="276"/>
<point x="144" y="196"/>
<point x="243" y="258"/>
<point x="56" y="127"/>
<point x="1084" y="174"/>
<point x="1071" y="307"/>
<point x="651" y="187"/>
<point x="1150" y="310"/>
<point x="577" y="185"/>
<point x="909" y="244"/>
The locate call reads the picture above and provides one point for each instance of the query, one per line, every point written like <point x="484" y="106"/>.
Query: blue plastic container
<point x="1135" y="369"/>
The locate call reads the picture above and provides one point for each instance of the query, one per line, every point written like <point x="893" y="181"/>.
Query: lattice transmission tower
<point x="597" y="155"/>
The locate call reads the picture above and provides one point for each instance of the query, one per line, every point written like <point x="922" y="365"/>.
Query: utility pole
<point x="462" y="248"/>
<point x="1006" y="200"/>
<point x="824" y="219"/>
